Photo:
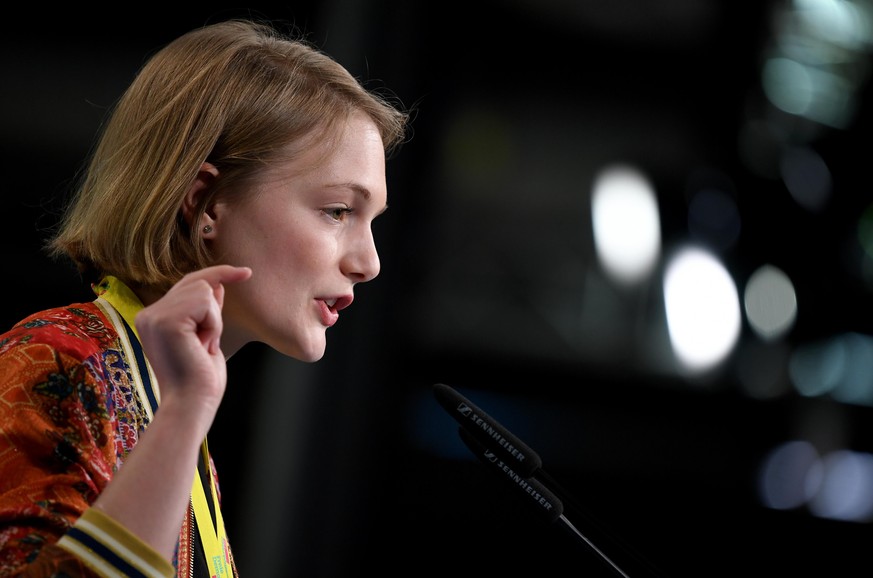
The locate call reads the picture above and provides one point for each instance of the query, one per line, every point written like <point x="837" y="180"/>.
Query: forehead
<point x="336" y="137"/>
<point x="349" y="154"/>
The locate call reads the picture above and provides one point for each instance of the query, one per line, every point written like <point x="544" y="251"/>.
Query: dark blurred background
<point x="759" y="112"/>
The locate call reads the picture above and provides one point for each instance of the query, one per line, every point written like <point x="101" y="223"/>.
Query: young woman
<point x="230" y="199"/>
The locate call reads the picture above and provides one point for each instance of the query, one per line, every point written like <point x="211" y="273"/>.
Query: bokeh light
<point x="770" y="302"/>
<point x="846" y="490"/>
<point x="713" y="218"/>
<point x="840" y="366"/>
<point x="702" y="308"/>
<point x="789" y="475"/>
<point x="807" y="177"/>
<point x="626" y="223"/>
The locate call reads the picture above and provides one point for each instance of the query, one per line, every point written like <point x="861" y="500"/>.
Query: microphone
<point x="545" y="501"/>
<point x="497" y="447"/>
<point x="524" y="460"/>
<point x="511" y="450"/>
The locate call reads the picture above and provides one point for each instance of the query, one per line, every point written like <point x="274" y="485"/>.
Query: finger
<point x="218" y="274"/>
<point x="218" y="295"/>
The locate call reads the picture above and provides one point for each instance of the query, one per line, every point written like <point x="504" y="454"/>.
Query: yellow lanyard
<point x="212" y="536"/>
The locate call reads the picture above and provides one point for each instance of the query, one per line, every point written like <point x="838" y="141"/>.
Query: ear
<point x="191" y="203"/>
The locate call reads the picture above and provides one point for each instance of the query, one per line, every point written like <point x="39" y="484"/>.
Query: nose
<point x="361" y="261"/>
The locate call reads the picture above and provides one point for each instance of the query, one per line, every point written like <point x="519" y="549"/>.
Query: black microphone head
<point x="546" y="503"/>
<point x="511" y="450"/>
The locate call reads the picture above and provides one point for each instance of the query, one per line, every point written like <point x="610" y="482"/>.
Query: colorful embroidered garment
<point x="74" y="400"/>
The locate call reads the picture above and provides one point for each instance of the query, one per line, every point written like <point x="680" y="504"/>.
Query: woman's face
<point x="305" y="231"/>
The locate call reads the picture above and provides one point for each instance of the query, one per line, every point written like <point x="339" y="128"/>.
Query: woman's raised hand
<point x="181" y="336"/>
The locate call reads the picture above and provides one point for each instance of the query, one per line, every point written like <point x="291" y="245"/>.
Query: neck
<point x="231" y="341"/>
<point x="146" y="294"/>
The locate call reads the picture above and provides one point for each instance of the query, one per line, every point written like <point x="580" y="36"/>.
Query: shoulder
<point x="79" y="330"/>
<point x="56" y="356"/>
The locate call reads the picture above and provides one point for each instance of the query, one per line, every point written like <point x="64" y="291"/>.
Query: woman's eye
<point x="338" y="213"/>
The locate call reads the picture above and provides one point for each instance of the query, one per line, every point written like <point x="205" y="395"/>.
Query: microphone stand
<point x="591" y="545"/>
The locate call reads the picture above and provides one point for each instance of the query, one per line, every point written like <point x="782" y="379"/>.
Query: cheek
<point x="315" y="257"/>
<point x="300" y="258"/>
<point x="263" y="237"/>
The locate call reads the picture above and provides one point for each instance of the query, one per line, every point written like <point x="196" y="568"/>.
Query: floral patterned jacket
<point x="72" y="406"/>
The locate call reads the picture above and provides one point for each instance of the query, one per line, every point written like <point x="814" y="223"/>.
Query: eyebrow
<point x="363" y="192"/>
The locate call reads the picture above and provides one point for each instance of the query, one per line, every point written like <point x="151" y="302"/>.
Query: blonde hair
<point x="236" y="94"/>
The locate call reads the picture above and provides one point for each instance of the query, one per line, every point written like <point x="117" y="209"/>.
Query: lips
<point x="339" y="303"/>
<point x="329" y="308"/>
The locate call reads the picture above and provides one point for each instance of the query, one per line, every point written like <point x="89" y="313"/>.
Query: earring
<point x="207" y="229"/>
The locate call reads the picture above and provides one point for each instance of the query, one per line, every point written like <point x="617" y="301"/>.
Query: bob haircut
<point x="238" y="94"/>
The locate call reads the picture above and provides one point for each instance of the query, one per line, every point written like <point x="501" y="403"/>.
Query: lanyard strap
<point x="212" y="535"/>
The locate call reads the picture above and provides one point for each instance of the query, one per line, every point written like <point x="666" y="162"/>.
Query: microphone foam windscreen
<point x="521" y="458"/>
<point x="542" y="498"/>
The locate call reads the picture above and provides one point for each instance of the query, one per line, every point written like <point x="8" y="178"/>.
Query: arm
<point x="58" y="452"/>
<point x="180" y="334"/>
<point x="46" y="513"/>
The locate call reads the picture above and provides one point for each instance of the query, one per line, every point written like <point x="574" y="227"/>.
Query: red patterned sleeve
<point x="56" y="453"/>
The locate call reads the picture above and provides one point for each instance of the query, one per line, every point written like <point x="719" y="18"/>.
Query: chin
<point x="309" y="354"/>
<point x="313" y="358"/>
<point x="306" y="350"/>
